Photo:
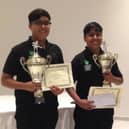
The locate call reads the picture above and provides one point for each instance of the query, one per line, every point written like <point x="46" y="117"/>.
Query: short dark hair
<point x="37" y="13"/>
<point x="92" y="26"/>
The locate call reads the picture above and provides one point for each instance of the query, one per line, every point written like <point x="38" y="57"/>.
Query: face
<point x="40" y="28"/>
<point x="93" y="40"/>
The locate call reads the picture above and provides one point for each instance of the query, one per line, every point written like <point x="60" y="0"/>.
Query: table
<point x="7" y="111"/>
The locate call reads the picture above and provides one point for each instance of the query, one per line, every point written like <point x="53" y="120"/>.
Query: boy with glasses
<point x="28" y="114"/>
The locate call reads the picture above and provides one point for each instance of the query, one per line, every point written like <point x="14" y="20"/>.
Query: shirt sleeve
<point x="115" y="71"/>
<point x="56" y="53"/>
<point x="12" y="63"/>
<point x="61" y="59"/>
<point x="75" y="69"/>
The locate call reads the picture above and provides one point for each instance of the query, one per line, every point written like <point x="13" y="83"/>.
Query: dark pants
<point x="37" y="117"/>
<point x="95" y="119"/>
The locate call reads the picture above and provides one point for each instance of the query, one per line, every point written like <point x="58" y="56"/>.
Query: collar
<point x="88" y="52"/>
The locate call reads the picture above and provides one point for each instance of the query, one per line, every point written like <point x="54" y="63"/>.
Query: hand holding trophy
<point x="36" y="67"/>
<point x="105" y="61"/>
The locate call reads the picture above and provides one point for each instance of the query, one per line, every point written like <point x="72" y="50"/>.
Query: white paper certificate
<point x="59" y="75"/>
<point x="105" y="97"/>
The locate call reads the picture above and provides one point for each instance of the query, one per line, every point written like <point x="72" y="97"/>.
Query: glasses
<point x="40" y="23"/>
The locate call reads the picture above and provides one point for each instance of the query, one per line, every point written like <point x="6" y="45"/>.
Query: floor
<point x="121" y="124"/>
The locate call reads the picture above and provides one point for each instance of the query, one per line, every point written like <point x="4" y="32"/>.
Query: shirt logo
<point x="87" y="65"/>
<point x="31" y="53"/>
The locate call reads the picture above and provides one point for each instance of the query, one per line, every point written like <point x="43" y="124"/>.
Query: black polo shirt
<point x="13" y="67"/>
<point x="87" y="73"/>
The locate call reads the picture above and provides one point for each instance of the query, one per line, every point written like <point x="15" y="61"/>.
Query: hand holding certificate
<point x="105" y="97"/>
<point x="103" y="100"/>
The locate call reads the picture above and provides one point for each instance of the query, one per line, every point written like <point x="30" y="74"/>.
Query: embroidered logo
<point x="87" y="65"/>
<point x="31" y="53"/>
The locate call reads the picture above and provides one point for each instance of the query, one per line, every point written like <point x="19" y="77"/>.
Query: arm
<point x="117" y="80"/>
<point x="56" y="90"/>
<point x="108" y="76"/>
<point x="8" y="81"/>
<point x="114" y="76"/>
<point x="83" y="103"/>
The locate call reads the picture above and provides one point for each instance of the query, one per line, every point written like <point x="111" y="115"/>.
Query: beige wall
<point x="68" y="20"/>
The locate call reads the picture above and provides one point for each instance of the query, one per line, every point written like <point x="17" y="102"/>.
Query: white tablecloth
<point x="7" y="111"/>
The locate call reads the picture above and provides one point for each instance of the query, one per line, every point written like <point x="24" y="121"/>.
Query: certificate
<point x="105" y="97"/>
<point x="58" y="75"/>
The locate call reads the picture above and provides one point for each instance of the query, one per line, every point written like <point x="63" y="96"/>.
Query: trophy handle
<point x="22" y="62"/>
<point x="114" y="59"/>
<point x="95" y="58"/>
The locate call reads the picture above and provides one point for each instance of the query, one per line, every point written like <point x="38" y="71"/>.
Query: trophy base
<point x="39" y="97"/>
<point x="39" y="100"/>
<point x="106" y="84"/>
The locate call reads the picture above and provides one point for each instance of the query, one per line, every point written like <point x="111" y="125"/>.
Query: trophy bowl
<point x="36" y="67"/>
<point x="105" y="61"/>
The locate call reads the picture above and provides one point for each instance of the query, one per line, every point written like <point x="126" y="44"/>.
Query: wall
<point x="68" y="20"/>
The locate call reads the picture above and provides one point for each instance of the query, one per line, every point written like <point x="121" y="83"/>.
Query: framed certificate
<point x="105" y="97"/>
<point x="59" y="75"/>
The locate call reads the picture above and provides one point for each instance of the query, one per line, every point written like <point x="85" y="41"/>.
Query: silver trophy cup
<point x="35" y="66"/>
<point x="105" y="61"/>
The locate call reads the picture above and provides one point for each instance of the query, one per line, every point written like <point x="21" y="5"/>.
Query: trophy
<point x="105" y="61"/>
<point x="35" y="66"/>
